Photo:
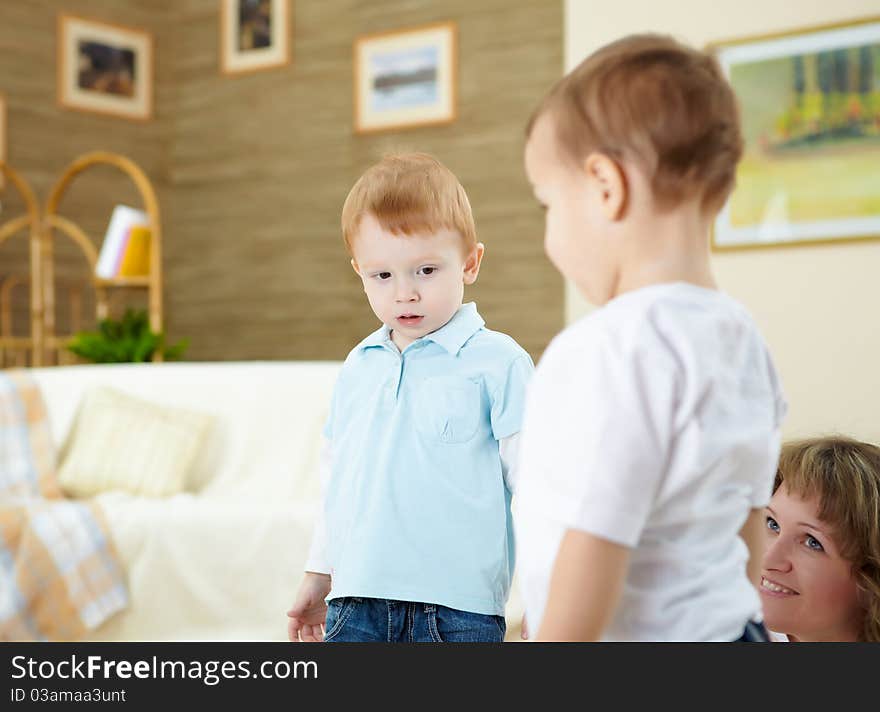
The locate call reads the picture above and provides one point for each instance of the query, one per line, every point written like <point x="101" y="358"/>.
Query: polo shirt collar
<point x="461" y="327"/>
<point x="451" y="336"/>
<point x="379" y="337"/>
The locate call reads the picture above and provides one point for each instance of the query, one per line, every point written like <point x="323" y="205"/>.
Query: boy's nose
<point x="406" y="293"/>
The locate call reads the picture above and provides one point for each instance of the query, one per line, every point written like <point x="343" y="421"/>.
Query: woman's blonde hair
<point x="844" y="474"/>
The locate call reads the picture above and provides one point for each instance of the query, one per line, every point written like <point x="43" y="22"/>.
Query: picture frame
<point x="810" y="110"/>
<point x="406" y="78"/>
<point x="104" y="68"/>
<point x="254" y="35"/>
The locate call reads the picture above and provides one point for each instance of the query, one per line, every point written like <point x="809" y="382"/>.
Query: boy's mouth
<point x="409" y="319"/>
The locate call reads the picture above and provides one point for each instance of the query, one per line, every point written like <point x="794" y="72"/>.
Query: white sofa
<point x="223" y="560"/>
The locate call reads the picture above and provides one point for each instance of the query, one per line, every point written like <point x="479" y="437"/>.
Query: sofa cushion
<point x="121" y="442"/>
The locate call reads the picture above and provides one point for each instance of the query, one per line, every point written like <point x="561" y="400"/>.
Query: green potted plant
<point x="127" y="340"/>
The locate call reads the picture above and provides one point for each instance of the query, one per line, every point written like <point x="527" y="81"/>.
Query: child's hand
<point x="309" y="611"/>
<point x="523" y="629"/>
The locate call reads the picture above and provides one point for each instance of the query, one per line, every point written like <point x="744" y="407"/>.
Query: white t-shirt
<point x="653" y="423"/>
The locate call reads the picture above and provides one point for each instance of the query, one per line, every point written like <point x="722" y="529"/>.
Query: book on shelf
<point x="135" y="260"/>
<point x="116" y="239"/>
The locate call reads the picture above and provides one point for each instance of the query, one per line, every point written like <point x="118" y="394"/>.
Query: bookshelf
<point x="46" y="346"/>
<point x="18" y="348"/>
<point x="122" y="282"/>
<point x="15" y="350"/>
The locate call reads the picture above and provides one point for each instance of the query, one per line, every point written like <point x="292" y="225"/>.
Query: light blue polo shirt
<point x="416" y="504"/>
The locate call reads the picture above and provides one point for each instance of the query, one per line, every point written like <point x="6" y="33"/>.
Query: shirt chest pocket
<point x="448" y="409"/>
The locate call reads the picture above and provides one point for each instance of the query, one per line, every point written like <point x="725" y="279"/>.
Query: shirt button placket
<point x="398" y="377"/>
<point x="392" y="385"/>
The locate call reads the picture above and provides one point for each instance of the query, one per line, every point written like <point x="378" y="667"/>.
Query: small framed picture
<point x="254" y="35"/>
<point x="405" y="78"/>
<point x="810" y="110"/>
<point x="105" y="68"/>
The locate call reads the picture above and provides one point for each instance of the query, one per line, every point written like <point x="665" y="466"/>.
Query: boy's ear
<point x="354" y="266"/>
<point x="472" y="263"/>
<point x="608" y="177"/>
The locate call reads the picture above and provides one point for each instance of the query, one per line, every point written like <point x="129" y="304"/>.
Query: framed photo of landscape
<point x="254" y="35"/>
<point x="810" y="108"/>
<point x="104" y="68"/>
<point x="405" y="78"/>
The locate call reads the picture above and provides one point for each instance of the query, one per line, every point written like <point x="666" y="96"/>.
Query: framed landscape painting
<point x="254" y="35"/>
<point x="405" y="78"/>
<point x="104" y="68"/>
<point x="810" y="106"/>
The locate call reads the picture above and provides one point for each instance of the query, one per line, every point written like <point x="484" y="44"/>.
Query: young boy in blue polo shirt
<point x="415" y="539"/>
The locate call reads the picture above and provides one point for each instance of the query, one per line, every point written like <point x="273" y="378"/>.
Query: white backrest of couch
<point x="269" y="416"/>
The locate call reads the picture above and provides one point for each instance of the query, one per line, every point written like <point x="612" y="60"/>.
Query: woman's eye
<point x="813" y="543"/>
<point x="425" y="271"/>
<point x="772" y="525"/>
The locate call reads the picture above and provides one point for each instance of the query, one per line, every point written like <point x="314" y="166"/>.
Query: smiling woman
<point x="821" y="570"/>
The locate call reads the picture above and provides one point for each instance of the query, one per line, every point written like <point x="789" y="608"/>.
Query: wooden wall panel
<point x="43" y="138"/>
<point x="252" y="170"/>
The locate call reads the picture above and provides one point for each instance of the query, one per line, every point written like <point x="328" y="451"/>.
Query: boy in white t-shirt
<point x="651" y="433"/>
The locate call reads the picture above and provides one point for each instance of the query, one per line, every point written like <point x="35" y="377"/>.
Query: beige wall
<point x="818" y="306"/>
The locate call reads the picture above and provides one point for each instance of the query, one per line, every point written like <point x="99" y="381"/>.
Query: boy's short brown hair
<point x="409" y="193"/>
<point x="844" y="475"/>
<point x="650" y="99"/>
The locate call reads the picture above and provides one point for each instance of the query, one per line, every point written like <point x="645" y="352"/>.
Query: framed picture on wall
<point x="405" y="78"/>
<point x="104" y="68"/>
<point x="810" y="107"/>
<point x="254" y="35"/>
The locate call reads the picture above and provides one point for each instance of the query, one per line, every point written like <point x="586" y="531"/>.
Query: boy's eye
<point x="425" y="271"/>
<point x="772" y="525"/>
<point x="813" y="543"/>
<point x="383" y="275"/>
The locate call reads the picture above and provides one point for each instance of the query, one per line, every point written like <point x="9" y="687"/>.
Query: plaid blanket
<point x="59" y="574"/>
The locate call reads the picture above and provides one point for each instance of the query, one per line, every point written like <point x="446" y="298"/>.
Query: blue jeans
<point x="378" y="620"/>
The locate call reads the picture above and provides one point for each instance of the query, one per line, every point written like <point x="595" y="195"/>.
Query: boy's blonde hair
<point x="409" y="193"/>
<point x="657" y="102"/>
<point x="844" y="474"/>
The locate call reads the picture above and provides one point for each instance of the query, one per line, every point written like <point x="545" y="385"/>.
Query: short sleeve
<point x="768" y="465"/>
<point x="509" y="397"/>
<point x="596" y="442"/>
